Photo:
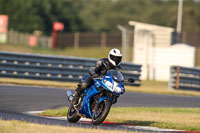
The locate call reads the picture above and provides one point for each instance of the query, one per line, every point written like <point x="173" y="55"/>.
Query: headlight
<point x="112" y="86"/>
<point x="108" y="84"/>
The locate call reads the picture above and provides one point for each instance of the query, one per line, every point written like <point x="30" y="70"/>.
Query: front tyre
<point x="101" y="113"/>
<point x="72" y="115"/>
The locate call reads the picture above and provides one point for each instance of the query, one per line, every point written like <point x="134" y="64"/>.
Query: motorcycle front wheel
<point x="101" y="113"/>
<point x="72" y="115"/>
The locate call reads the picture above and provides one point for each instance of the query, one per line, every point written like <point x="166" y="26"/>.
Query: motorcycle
<point x="95" y="102"/>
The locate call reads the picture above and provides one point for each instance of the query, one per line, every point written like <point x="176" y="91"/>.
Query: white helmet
<point x="115" y="56"/>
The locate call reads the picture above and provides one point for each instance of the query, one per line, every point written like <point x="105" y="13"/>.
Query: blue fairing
<point x="86" y="101"/>
<point x="112" y="82"/>
<point x="103" y="98"/>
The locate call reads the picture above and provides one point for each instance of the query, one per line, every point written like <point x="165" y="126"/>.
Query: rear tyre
<point x="101" y="113"/>
<point x="72" y="115"/>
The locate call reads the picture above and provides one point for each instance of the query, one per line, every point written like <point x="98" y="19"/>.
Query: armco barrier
<point x="184" y="78"/>
<point x="55" y="68"/>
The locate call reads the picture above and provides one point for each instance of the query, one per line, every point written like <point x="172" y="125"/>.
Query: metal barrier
<point x="55" y="68"/>
<point x="184" y="78"/>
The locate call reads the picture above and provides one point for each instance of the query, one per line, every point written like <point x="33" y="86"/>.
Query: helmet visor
<point x="116" y="59"/>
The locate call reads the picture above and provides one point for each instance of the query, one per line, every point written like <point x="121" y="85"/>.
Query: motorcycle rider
<point x="100" y="69"/>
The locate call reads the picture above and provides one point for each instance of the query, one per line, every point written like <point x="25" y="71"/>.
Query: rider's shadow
<point x="138" y="123"/>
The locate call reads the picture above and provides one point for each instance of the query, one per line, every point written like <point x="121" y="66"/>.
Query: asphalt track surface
<point x="17" y="99"/>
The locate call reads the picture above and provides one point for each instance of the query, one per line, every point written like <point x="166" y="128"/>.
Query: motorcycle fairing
<point x="85" y="107"/>
<point x="89" y="93"/>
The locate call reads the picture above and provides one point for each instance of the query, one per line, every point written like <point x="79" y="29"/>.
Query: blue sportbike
<point x="96" y="101"/>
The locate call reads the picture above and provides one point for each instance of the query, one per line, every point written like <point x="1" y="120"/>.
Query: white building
<point x="153" y="50"/>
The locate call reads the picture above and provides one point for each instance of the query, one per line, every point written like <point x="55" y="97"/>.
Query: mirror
<point x="131" y="80"/>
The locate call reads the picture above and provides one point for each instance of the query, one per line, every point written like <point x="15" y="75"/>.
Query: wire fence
<point x="15" y="37"/>
<point x="78" y="39"/>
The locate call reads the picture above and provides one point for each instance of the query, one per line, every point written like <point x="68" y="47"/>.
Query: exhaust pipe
<point x="69" y="96"/>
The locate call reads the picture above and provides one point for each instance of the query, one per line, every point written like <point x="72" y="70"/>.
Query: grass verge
<point x="67" y="85"/>
<point x="92" y="52"/>
<point x="24" y="127"/>
<point x="158" y="87"/>
<point x="154" y="87"/>
<point x="187" y="119"/>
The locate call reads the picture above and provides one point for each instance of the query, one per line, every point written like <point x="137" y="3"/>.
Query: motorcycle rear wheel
<point x="72" y="115"/>
<point x="101" y="113"/>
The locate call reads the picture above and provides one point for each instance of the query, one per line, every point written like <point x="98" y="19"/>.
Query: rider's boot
<point x="76" y="95"/>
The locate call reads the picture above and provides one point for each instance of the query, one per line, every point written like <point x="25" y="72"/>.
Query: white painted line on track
<point x="33" y="112"/>
<point x="151" y="128"/>
<point x="126" y="126"/>
<point x="86" y="120"/>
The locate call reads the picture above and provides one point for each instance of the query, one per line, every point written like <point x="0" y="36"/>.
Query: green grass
<point x="14" y="126"/>
<point x="92" y="52"/>
<point x="173" y="118"/>
<point x="160" y="87"/>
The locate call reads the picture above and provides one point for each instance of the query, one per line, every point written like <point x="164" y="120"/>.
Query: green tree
<point x="30" y="15"/>
<point x="96" y="15"/>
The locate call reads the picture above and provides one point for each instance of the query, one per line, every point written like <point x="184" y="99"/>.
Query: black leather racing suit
<point x="100" y="70"/>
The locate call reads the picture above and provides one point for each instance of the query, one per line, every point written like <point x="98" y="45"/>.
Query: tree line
<point x="96" y="15"/>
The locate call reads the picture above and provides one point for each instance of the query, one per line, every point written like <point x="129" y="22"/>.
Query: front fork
<point x="100" y="99"/>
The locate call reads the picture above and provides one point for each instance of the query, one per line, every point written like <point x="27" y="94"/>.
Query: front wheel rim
<point x="99" y="111"/>
<point x="72" y="112"/>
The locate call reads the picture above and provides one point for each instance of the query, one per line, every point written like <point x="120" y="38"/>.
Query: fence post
<point x="49" y="41"/>
<point x="76" y="40"/>
<point x="184" y="37"/>
<point x="21" y="38"/>
<point x="170" y="83"/>
<point x="14" y="40"/>
<point x="103" y="39"/>
<point x="10" y="36"/>
<point x="26" y="39"/>
<point x="177" y="77"/>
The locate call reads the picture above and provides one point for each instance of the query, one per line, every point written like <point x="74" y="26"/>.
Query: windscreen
<point x="117" y="75"/>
